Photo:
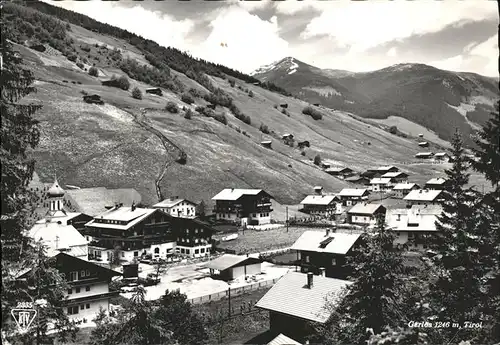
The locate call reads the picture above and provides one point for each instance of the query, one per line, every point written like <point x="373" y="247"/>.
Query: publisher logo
<point x="23" y="315"/>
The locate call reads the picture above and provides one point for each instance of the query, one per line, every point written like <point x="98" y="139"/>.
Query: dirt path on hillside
<point x="174" y="152"/>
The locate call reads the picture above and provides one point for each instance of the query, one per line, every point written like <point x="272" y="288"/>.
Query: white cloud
<point x="480" y="58"/>
<point x="367" y="24"/>
<point x="159" y="27"/>
<point x="392" y="52"/>
<point x="251" y="41"/>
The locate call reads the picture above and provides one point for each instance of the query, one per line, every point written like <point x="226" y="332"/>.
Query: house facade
<point x="297" y="301"/>
<point x="88" y="289"/>
<point x="402" y="189"/>
<point x="415" y="227"/>
<point x="243" y="206"/>
<point x="177" y="207"/>
<point x="380" y="185"/>
<point x="132" y="232"/>
<point x="365" y="214"/>
<point x="319" y="205"/>
<point x="424" y="197"/>
<point x="351" y="196"/>
<point x="436" y="184"/>
<point x="325" y="252"/>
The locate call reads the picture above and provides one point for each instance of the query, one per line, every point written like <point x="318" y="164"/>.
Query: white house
<point x="365" y="214"/>
<point x="319" y="205"/>
<point x="402" y="189"/>
<point x="177" y="207"/>
<point x="414" y="227"/>
<point x="424" y="197"/>
<point x="379" y="184"/>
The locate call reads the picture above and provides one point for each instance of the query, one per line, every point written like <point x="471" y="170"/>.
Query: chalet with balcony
<point x="365" y="214"/>
<point x="436" y="184"/>
<point x="177" y="207"/>
<point x="340" y="172"/>
<point x="319" y="205"/>
<point x="424" y="197"/>
<point x="325" y="252"/>
<point x="380" y="185"/>
<point x="414" y="227"/>
<point x="351" y="196"/>
<point x="136" y="231"/>
<point x="297" y="300"/>
<point x="193" y="237"/>
<point x="88" y="286"/>
<point x="402" y="189"/>
<point x="243" y="206"/>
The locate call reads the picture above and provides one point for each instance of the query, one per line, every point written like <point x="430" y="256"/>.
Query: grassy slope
<point x="92" y="145"/>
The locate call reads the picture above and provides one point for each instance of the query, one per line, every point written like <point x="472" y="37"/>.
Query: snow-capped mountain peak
<point x="288" y="64"/>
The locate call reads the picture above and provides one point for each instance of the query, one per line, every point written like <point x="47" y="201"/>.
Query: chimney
<point x="310" y="277"/>
<point x="318" y="190"/>
<point x="133" y="206"/>
<point x="322" y="271"/>
<point x="327" y="232"/>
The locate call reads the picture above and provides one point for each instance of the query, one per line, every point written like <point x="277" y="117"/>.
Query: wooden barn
<point x="154" y="91"/>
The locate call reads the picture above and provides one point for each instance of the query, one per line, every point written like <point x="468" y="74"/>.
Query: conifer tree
<point x="19" y="134"/>
<point x="487" y="162"/>
<point x="454" y="255"/>
<point x="373" y="300"/>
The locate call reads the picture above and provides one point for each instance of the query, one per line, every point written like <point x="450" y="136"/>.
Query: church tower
<point x="55" y="195"/>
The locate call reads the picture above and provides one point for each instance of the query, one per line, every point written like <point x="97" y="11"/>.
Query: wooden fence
<point x="234" y="292"/>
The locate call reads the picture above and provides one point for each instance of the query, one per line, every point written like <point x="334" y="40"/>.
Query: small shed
<point x="154" y="90"/>
<point x="284" y="105"/>
<point x="424" y="155"/>
<point x="423" y="144"/>
<point x="93" y="99"/>
<point x="266" y="143"/>
<point x="303" y="144"/>
<point x="287" y="136"/>
<point x="229" y="266"/>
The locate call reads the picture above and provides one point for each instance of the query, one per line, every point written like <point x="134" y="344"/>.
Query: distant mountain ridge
<point x="437" y="99"/>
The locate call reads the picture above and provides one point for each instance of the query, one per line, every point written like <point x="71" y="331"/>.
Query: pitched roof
<point x="229" y="260"/>
<point x="318" y="200"/>
<point x="405" y="186"/>
<point x="291" y="296"/>
<point x="423" y="195"/>
<point x="355" y="178"/>
<point x="363" y="208"/>
<point x="124" y="214"/>
<point x="336" y="243"/>
<point x="414" y="219"/>
<point x="420" y="154"/>
<point x="394" y="174"/>
<point x="93" y="201"/>
<point x="352" y="192"/>
<point x="385" y="168"/>
<point x="171" y="203"/>
<point x="282" y="339"/>
<point x="379" y="180"/>
<point x="56" y="236"/>
<point x="235" y="194"/>
<point x="436" y="180"/>
<point x="337" y="169"/>
<point x="440" y="154"/>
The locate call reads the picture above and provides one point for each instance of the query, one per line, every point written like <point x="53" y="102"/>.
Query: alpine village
<point x="149" y="197"/>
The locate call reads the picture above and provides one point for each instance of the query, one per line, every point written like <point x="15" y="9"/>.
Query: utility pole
<point x="286" y="208"/>
<point x="229" y="301"/>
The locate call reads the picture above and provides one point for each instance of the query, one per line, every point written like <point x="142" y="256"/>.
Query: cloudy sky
<point x="349" y="35"/>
